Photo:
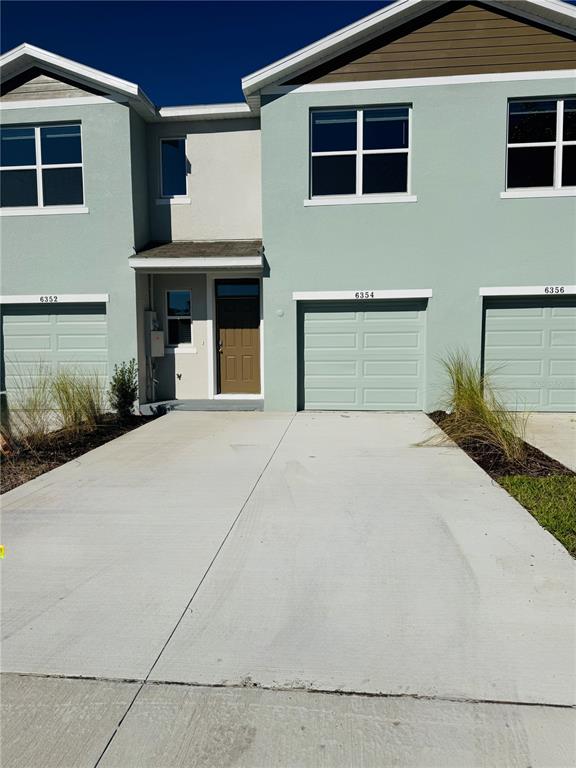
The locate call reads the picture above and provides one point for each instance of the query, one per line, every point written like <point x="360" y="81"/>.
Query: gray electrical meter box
<point x="156" y="343"/>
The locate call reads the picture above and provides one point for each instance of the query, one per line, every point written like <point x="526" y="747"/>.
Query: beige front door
<point x="238" y="336"/>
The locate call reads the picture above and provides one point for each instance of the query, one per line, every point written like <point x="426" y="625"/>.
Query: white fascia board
<point x="205" y="112"/>
<point x="405" y="293"/>
<point x="415" y="82"/>
<point x="54" y="298"/>
<point x="19" y="59"/>
<point x="78" y="101"/>
<point x="529" y="290"/>
<point x="553" y="13"/>
<point x="193" y="262"/>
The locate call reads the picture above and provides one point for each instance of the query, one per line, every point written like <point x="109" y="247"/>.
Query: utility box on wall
<point x="156" y="343"/>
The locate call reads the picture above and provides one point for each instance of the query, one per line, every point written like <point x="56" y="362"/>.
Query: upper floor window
<point x="360" y="151"/>
<point x="41" y="166"/>
<point x="173" y="167"/>
<point x="542" y="144"/>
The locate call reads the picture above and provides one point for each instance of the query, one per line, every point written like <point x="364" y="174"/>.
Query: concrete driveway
<point x="555" y="435"/>
<point x="321" y="590"/>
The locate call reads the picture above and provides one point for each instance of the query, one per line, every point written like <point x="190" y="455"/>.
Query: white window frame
<point x="558" y="144"/>
<point x="164" y="196"/>
<point x="182" y="344"/>
<point x="359" y="152"/>
<point x="39" y="167"/>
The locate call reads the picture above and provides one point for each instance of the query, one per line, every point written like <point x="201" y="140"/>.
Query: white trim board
<point x="78" y="101"/>
<point x="57" y="298"/>
<point x="408" y="293"/>
<point x="193" y="262"/>
<point x="529" y="290"/>
<point x="414" y="82"/>
<point x="51" y="210"/>
<point x="206" y="112"/>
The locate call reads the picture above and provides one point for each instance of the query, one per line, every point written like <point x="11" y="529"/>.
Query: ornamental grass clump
<point x="28" y="417"/>
<point x="79" y="399"/>
<point x="476" y="418"/>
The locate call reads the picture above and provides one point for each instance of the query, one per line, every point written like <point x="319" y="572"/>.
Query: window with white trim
<point x="541" y="144"/>
<point x="358" y="152"/>
<point x="173" y="167"/>
<point x="41" y="166"/>
<point x="179" y="317"/>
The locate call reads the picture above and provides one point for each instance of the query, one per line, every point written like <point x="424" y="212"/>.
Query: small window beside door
<point x="173" y="170"/>
<point x="179" y="317"/>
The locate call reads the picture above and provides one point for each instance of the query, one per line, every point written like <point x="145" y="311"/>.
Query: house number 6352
<point x="48" y="299"/>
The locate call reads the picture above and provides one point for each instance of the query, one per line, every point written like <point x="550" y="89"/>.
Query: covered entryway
<point x="362" y="355"/>
<point x="47" y="338"/>
<point x="530" y="347"/>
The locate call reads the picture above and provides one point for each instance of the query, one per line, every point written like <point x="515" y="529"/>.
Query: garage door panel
<point x="332" y="340"/>
<point x="391" y="340"/>
<point x="40" y="339"/>
<point x="530" y="348"/>
<point x="405" y="397"/>
<point x="381" y="370"/>
<point x="391" y="368"/>
<point x="563" y="339"/>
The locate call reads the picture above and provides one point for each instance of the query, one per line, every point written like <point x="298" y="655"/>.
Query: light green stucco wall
<point x="457" y="237"/>
<point x="82" y="253"/>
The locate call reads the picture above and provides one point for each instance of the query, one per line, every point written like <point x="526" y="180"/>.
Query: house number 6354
<point x="364" y="295"/>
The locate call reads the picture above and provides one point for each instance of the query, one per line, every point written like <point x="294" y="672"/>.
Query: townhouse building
<point x="400" y="189"/>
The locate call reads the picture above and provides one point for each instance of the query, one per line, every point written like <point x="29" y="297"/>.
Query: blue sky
<point x="179" y="52"/>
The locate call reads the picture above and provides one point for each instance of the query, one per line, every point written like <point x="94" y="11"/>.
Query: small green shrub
<point x="124" y="388"/>
<point x="476" y="413"/>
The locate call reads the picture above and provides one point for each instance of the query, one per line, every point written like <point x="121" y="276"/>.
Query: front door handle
<point x="220" y="345"/>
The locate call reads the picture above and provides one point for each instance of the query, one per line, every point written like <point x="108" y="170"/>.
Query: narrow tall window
<point x="541" y="144"/>
<point x="179" y="317"/>
<point x="173" y="167"/>
<point x="41" y="166"/>
<point x="360" y="151"/>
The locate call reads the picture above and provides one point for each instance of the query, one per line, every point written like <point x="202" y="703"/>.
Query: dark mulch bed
<point x="59" y="447"/>
<point x="493" y="461"/>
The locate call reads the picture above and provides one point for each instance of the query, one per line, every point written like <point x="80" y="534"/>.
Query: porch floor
<point x="232" y="404"/>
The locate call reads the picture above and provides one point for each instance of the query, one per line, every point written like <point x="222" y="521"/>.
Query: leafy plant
<point x="124" y="389"/>
<point x="475" y="412"/>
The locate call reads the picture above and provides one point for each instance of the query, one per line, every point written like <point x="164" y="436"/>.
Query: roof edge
<point x="553" y="13"/>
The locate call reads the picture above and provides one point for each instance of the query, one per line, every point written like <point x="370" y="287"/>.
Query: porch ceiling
<point x="199" y="255"/>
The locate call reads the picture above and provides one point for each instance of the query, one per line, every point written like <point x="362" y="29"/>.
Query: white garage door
<point x="50" y="338"/>
<point x="363" y="356"/>
<point x="530" y="344"/>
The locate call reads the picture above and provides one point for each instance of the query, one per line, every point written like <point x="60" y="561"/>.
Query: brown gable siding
<point x="35" y="84"/>
<point x="457" y="39"/>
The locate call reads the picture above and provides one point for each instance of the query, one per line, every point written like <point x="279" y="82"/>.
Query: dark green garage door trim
<point x="361" y="355"/>
<point x="530" y="349"/>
